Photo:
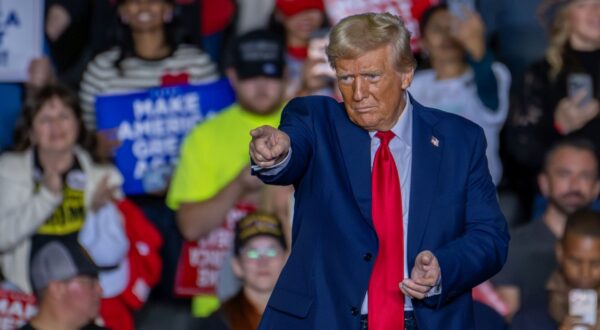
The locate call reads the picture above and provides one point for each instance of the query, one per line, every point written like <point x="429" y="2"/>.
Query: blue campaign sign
<point x="152" y="124"/>
<point x="21" y="37"/>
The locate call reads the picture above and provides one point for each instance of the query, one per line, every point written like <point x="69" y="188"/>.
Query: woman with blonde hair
<point x="560" y="93"/>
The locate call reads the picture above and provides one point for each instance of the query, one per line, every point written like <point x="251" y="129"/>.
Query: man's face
<point x="259" y="263"/>
<point x="83" y="295"/>
<point x="571" y="180"/>
<point x="579" y="258"/>
<point x="372" y="89"/>
<point x="259" y="95"/>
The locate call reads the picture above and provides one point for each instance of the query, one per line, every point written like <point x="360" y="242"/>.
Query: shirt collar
<point x="403" y="127"/>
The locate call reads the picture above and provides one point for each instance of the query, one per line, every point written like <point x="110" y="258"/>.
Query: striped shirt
<point x="103" y="77"/>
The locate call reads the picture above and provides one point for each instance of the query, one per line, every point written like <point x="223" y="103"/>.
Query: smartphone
<point x="323" y="69"/>
<point x="316" y="51"/>
<point x="584" y="304"/>
<point x="316" y="48"/>
<point x="457" y="7"/>
<point x="577" y="82"/>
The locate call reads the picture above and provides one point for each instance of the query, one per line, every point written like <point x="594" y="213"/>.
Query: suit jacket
<point x="453" y="212"/>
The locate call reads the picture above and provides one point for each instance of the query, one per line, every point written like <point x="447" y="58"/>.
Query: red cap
<point x="293" y="7"/>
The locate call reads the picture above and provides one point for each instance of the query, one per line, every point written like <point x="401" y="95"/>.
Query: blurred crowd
<point x="204" y="249"/>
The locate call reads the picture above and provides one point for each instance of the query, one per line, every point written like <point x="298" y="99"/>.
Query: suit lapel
<point x="355" y="145"/>
<point x="426" y="158"/>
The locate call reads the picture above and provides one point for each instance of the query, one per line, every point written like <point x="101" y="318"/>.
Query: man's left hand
<point x="423" y="277"/>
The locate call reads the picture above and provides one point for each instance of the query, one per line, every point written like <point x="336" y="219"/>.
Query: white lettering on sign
<point x="184" y="104"/>
<point x="206" y="278"/>
<point x="158" y="125"/>
<point x="16" y="309"/>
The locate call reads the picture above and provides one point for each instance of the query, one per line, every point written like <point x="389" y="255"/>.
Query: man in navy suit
<point x="452" y="234"/>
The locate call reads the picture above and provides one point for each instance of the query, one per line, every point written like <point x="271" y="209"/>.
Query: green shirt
<point x="214" y="153"/>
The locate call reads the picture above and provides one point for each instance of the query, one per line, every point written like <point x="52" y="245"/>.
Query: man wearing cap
<point x="65" y="282"/>
<point x="260" y="252"/>
<point x="396" y="217"/>
<point x="213" y="175"/>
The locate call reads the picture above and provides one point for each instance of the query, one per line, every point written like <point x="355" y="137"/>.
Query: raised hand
<point x="571" y="116"/>
<point x="424" y="276"/>
<point x="103" y="194"/>
<point x="40" y="73"/>
<point x="470" y="33"/>
<point x="269" y="146"/>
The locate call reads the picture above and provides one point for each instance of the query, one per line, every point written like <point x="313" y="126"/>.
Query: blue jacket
<point x="453" y="212"/>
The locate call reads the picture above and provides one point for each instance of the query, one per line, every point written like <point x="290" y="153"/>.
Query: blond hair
<point x="558" y="33"/>
<point x="355" y="35"/>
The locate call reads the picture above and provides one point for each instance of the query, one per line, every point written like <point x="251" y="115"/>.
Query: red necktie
<point x="386" y="301"/>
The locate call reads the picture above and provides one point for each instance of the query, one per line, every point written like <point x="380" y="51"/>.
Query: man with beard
<point x="570" y="182"/>
<point x="212" y="187"/>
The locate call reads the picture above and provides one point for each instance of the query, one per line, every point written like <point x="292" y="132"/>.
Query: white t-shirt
<point x="459" y="96"/>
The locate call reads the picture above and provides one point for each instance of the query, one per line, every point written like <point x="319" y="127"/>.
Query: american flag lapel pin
<point x="435" y="141"/>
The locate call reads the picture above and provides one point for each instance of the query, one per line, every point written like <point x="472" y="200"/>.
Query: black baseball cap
<point x="258" y="53"/>
<point x="60" y="260"/>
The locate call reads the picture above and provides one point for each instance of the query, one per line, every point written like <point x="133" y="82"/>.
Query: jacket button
<point x="354" y="311"/>
<point x="367" y="256"/>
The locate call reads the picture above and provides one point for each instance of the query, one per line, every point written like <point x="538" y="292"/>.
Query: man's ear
<point x="597" y="188"/>
<point x="544" y="184"/>
<point x="236" y="266"/>
<point x="559" y="252"/>
<point x="232" y="76"/>
<point x="55" y="289"/>
<point x="406" y="78"/>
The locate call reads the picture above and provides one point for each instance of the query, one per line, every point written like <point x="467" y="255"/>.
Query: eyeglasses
<point x="255" y="254"/>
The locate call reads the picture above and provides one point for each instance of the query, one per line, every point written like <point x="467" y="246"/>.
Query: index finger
<point x="256" y="132"/>
<point x="260" y="131"/>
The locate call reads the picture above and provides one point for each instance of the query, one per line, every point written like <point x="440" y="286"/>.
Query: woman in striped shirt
<point x="149" y="53"/>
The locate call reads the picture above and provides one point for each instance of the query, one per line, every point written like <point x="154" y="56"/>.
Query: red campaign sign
<point x="16" y="309"/>
<point x="409" y="10"/>
<point x="200" y="262"/>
